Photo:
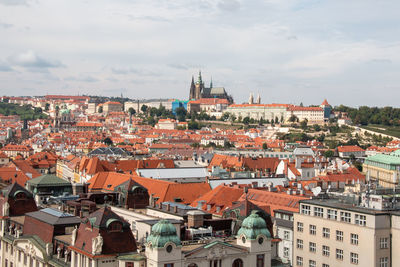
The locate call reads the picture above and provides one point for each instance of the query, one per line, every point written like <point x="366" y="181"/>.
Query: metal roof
<point x="174" y="173"/>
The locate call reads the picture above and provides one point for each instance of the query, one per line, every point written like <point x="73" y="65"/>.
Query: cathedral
<point x="198" y="90"/>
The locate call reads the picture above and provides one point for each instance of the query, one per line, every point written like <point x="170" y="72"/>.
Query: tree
<point x="316" y="127"/>
<point x="108" y="141"/>
<point x="144" y="108"/>
<point x="246" y="120"/>
<point x="131" y="111"/>
<point x="293" y="118"/>
<point x="100" y="110"/>
<point x="276" y="120"/>
<point x="303" y="124"/>
<point x="264" y="146"/>
<point x="47" y="107"/>
<point x="193" y="125"/>
<point x="328" y="154"/>
<point x="225" y="116"/>
<point x="181" y="113"/>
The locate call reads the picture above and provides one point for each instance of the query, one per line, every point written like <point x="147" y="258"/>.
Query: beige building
<point x="258" y="111"/>
<point x="112" y="107"/>
<point x="385" y="169"/>
<point x="314" y="115"/>
<point x="329" y="232"/>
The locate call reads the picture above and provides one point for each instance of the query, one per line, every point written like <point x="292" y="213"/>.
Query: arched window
<point x="237" y="263"/>
<point x="115" y="226"/>
<point x="192" y="265"/>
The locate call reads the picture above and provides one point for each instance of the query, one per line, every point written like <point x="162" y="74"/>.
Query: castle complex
<point x="198" y="90"/>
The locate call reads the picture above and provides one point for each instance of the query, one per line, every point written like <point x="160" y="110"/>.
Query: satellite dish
<point x="316" y="191"/>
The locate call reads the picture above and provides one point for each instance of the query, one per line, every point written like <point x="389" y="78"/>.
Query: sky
<point x="288" y="51"/>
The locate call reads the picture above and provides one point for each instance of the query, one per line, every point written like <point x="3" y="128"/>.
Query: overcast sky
<point x="289" y="51"/>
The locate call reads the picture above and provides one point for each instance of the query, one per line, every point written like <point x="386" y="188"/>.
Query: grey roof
<point x="48" y="180"/>
<point x="186" y="164"/>
<point x="153" y="222"/>
<point x="303" y="151"/>
<point x="179" y="205"/>
<point x="284" y="223"/>
<point x="108" y="151"/>
<point x="54" y="217"/>
<point x="217" y="91"/>
<point x="174" y="173"/>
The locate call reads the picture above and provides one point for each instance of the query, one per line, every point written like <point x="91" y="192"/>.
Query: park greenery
<point x="25" y="112"/>
<point x="372" y="115"/>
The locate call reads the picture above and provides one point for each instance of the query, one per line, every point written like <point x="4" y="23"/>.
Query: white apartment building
<point x="258" y="111"/>
<point x="329" y="232"/>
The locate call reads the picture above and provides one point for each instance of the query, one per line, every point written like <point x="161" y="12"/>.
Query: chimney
<point x="195" y="220"/>
<point x="168" y="206"/>
<point x="175" y="209"/>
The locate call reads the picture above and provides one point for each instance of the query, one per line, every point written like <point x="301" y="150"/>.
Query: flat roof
<point x="334" y="203"/>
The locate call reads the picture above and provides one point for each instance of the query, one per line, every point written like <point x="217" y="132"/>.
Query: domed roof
<point x="64" y="111"/>
<point x="253" y="226"/>
<point x="162" y="233"/>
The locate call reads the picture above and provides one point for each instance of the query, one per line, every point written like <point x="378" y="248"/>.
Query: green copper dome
<point x="253" y="226"/>
<point x="162" y="233"/>
<point x="64" y="111"/>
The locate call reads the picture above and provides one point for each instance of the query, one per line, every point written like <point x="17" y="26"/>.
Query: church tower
<point x="192" y="90"/>
<point x="199" y="86"/>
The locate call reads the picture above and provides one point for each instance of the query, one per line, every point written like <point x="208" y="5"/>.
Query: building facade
<point x="329" y="232"/>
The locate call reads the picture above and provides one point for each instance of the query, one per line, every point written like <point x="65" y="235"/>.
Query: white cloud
<point x="287" y="50"/>
<point x="30" y="59"/>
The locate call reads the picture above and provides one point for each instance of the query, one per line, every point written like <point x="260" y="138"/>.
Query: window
<point x="339" y="236"/>
<point x="332" y="214"/>
<point x="313" y="229"/>
<point x="286" y="252"/>
<point x="286" y="235"/>
<point x="312" y="263"/>
<point x="325" y="251"/>
<point x="300" y="227"/>
<point x="361" y="219"/>
<point x="305" y="209"/>
<point x="313" y="247"/>
<point x="237" y="263"/>
<point x="168" y="265"/>
<point x="384" y="262"/>
<point x="339" y="254"/>
<point x="325" y="265"/>
<point x="383" y="242"/>
<point x="319" y="212"/>
<point x="345" y="216"/>
<point x="354" y="239"/>
<point x="115" y="226"/>
<point x="299" y="244"/>
<point x="353" y="258"/>
<point x="299" y="261"/>
<point x="260" y="260"/>
<point x="326" y="232"/>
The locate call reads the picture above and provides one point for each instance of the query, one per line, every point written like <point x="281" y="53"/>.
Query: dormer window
<point x="114" y="226"/>
<point x="20" y="196"/>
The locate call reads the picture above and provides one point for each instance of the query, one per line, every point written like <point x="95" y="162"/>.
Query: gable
<point x="214" y="250"/>
<point x="32" y="246"/>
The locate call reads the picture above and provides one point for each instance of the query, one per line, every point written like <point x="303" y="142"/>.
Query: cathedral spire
<point x="192" y="89"/>
<point x="199" y="80"/>
<point x="211" y="85"/>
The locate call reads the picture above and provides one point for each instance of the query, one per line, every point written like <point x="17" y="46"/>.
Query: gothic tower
<point x="192" y="90"/>
<point x="199" y="86"/>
